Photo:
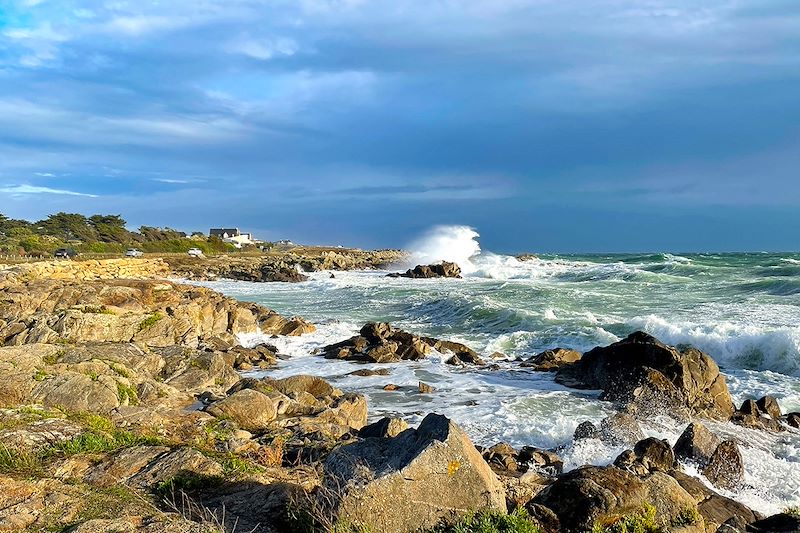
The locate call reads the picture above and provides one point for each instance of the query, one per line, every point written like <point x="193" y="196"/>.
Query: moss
<point x="53" y="358"/>
<point x="150" y="321"/>
<point x="40" y="375"/>
<point x="493" y="522"/>
<point x="119" y="369"/>
<point x="234" y="465"/>
<point x="642" y="521"/>
<point x="126" y="393"/>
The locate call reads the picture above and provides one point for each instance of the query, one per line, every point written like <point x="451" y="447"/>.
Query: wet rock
<point x="697" y="444"/>
<point x="552" y="360"/>
<point x="751" y="415"/>
<point x="769" y="405"/>
<point x="424" y="388"/>
<point x="366" y="372"/>
<point x="386" y="427"/>
<point x="438" y="270"/>
<point x="545" y="518"/>
<point x="714" y="508"/>
<point x="381" y="343"/>
<point x="586" y="430"/>
<point x="750" y="407"/>
<point x="793" y="419"/>
<point x="391" y="387"/>
<point x="620" y="428"/>
<point x="415" y="481"/>
<point x="653" y="377"/>
<point x="655" y="454"/>
<point x="725" y="469"/>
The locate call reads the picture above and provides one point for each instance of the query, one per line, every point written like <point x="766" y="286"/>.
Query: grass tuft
<point x="150" y="321"/>
<point x="642" y="521"/>
<point x="517" y="521"/>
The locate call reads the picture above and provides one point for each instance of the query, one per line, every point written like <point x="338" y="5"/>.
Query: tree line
<point x="95" y="234"/>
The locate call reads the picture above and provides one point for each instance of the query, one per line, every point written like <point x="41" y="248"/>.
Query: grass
<point x="792" y="511"/>
<point x="40" y="375"/>
<point x="642" y="521"/>
<point x="51" y="359"/>
<point x="517" y="521"/>
<point x="126" y="393"/>
<point x="687" y="517"/>
<point x="150" y="321"/>
<point x="185" y="482"/>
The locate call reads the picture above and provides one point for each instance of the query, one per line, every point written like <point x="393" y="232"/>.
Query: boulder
<point x="620" y="428"/>
<point x="793" y="419"/>
<point x="697" y="444"/>
<point x="725" y="468"/>
<point x="589" y="495"/>
<point x="414" y="481"/>
<point x="552" y="360"/>
<point x="769" y="405"/>
<point x="779" y="523"/>
<point x="655" y="454"/>
<point x="714" y="508"/>
<point x="249" y="409"/>
<point x="437" y="270"/>
<point x="653" y="377"/>
<point x="586" y="430"/>
<point x="381" y="343"/>
<point x="384" y="428"/>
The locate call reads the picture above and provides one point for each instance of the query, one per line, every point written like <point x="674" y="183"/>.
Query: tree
<point x="111" y="228"/>
<point x="68" y="226"/>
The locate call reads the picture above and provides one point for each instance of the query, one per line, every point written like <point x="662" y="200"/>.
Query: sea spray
<point x="457" y="244"/>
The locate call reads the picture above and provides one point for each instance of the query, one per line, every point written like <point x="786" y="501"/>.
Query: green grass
<point x="687" y="517"/>
<point x="493" y="522"/>
<point x="101" y="310"/>
<point x="40" y="375"/>
<point x="150" y="321"/>
<point x="20" y="462"/>
<point x="185" y="482"/>
<point x="93" y="443"/>
<point x="642" y="521"/>
<point x="127" y="393"/>
<point x="53" y="358"/>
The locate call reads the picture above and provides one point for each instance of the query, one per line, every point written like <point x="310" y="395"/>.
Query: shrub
<point x="642" y="521"/>
<point x="493" y="522"/>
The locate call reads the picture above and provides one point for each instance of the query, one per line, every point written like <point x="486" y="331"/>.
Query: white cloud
<point x="263" y="49"/>
<point x="33" y="189"/>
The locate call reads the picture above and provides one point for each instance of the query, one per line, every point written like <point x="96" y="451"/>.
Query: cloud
<point x="33" y="190"/>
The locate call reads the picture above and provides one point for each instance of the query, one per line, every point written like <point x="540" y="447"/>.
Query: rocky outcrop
<point x="593" y="495"/>
<point x="725" y="468"/>
<point x="437" y="270"/>
<point x="552" y="360"/>
<point x="759" y="414"/>
<point x="414" y="481"/>
<point x="88" y="270"/>
<point x="651" y="377"/>
<point x="148" y="312"/>
<point x="280" y="266"/>
<point x="382" y="343"/>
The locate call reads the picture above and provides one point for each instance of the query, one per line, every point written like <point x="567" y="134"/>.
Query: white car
<point x="195" y="252"/>
<point x="133" y="252"/>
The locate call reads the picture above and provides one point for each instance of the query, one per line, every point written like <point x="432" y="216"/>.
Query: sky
<point x="547" y="125"/>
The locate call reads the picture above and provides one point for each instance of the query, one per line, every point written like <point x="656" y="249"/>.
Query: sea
<point x="743" y="309"/>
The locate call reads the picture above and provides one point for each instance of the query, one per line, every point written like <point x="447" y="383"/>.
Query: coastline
<point x="165" y="357"/>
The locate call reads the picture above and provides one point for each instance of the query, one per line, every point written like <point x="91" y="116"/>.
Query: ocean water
<point x="742" y="309"/>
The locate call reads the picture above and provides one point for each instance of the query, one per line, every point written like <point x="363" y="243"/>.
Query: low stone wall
<point x="100" y="269"/>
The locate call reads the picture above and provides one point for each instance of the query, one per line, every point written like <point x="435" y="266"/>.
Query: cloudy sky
<point x="561" y="125"/>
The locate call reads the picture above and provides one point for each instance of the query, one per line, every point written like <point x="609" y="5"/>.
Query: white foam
<point x="457" y="244"/>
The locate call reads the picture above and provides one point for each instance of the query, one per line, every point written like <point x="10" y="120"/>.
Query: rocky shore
<point x="123" y="409"/>
<point x="280" y="266"/>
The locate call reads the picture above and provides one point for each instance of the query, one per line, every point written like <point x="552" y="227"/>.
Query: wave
<point x="457" y="244"/>
<point x="731" y="345"/>
<point x="785" y="286"/>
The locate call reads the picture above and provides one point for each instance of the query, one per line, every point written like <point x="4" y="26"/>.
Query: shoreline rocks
<point x="444" y="269"/>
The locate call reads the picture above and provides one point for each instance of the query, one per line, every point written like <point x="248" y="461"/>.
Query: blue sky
<point x="552" y="125"/>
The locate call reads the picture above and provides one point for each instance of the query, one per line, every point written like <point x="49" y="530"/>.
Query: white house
<point x="232" y="236"/>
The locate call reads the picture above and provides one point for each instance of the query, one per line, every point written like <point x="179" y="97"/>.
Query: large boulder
<point x="250" y="409"/>
<point x="444" y="269"/>
<point x="411" y="482"/>
<point x="644" y="373"/>
<point x="714" y="508"/>
<point x="590" y="495"/>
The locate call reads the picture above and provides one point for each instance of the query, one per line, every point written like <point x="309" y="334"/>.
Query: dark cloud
<point x="365" y="121"/>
